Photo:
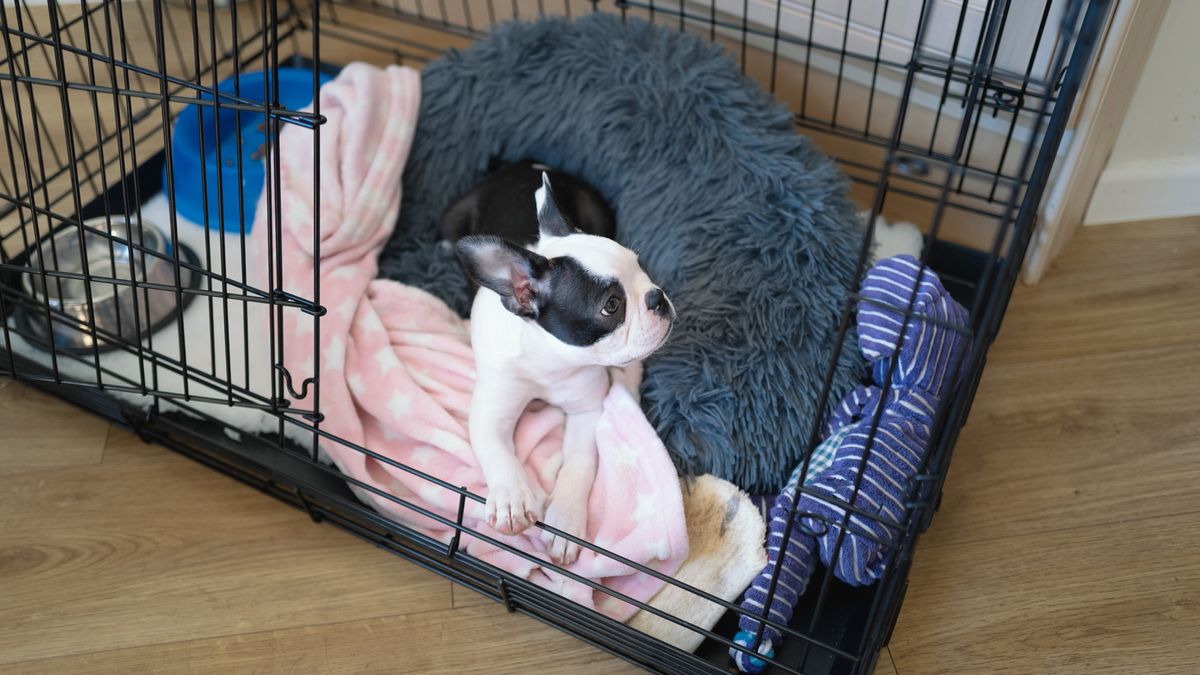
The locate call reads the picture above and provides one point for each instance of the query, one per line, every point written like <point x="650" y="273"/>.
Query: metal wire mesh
<point x="945" y="113"/>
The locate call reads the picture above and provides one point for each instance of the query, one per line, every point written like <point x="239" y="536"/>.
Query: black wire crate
<point x="127" y="285"/>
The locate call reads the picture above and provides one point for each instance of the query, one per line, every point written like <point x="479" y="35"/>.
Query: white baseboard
<point x="1146" y="190"/>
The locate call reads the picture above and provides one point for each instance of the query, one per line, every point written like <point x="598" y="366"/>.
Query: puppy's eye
<point x="611" y="306"/>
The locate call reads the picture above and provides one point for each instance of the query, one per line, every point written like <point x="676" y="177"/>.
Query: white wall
<point x="1154" y="170"/>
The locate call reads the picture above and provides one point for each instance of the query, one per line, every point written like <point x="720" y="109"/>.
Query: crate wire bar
<point x="950" y="113"/>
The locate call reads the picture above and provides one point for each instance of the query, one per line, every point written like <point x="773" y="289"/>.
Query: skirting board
<point x="1145" y="191"/>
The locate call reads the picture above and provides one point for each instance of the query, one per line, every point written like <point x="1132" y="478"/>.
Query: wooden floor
<point x="1068" y="540"/>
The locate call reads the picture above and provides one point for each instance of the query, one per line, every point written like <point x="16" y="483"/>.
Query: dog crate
<point x="947" y="113"/>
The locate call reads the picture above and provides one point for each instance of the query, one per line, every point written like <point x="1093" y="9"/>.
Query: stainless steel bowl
<point x="118" y="309"/>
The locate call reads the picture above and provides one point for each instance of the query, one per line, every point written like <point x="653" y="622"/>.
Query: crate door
<point x="138" y="140"/>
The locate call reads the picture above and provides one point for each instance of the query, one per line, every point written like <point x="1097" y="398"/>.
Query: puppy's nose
<point x="656" y="301"/>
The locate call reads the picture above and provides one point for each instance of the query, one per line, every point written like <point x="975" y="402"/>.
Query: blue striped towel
<point x="906" y="403"/>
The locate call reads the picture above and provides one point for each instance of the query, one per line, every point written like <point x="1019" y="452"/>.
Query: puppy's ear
<point x="514" y="272"/>
<point x="551" y="222"/>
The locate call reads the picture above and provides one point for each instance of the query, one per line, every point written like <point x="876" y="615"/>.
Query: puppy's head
<point x="588" y="292"/>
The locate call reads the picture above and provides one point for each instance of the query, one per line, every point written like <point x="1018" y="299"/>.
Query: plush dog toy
<point x="923" y="374"/>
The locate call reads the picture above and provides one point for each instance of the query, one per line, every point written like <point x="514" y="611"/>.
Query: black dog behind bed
<point x="504" y="201"/>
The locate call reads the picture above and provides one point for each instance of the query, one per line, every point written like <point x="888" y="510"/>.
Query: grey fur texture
<point x="742" y="221"/>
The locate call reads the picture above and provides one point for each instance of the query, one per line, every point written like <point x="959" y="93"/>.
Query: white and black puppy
<point x="557" y="309"/>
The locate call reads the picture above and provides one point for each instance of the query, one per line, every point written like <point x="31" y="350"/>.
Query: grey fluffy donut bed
<point x="745" y="224"/>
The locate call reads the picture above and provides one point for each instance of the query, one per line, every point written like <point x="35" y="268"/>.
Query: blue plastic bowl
<point x="189" y="156"/>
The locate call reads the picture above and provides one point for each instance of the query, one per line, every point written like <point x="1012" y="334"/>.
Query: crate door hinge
<point x="462" y="505"/>
<point x="308" y="507"/>
<point x="509" y="603"/>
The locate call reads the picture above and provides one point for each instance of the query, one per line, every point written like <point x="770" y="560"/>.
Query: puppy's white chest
<point x="519" y="357"/>
<point x="580" y="391"/>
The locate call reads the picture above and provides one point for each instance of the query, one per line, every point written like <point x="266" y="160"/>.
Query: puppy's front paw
<point x="513" y="505"/>
<point x="569" y="515"/>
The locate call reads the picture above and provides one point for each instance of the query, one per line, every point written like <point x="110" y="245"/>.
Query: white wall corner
<point x="1145" y="190"/>
<point x="1154" y="169"/>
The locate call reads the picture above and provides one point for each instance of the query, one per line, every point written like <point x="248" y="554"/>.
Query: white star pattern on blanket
<point x="346" y="308"/>
<point x="449" y="441"/>
<point x="422" y="455"/>
<point x="371" y="325"/>
<point x="645" y="510"/>
<point x="343" y="273"/>
<point x="432" y="493"/>
<point x="335" y="353"/>
<point x="386" y="359"/>
<point x="400" y="405"/>
<point x="304" y="328"/>
<point x="625" y="461"/>
<point x="422" y="339"/>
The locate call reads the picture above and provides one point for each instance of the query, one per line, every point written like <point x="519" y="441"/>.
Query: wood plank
<point x="477" y="640"/>
<point x="34" y="436"/>
<point x="133" y="553"/>
<point x="1122" y="597"/>
<point x="885" y="666"/>
<point x="1119" y="288"/>
<point x="1079" y="441"/>
<point x="465" y="597"/>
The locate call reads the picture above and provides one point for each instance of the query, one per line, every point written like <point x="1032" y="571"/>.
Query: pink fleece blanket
<point x="397" y="367"/>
